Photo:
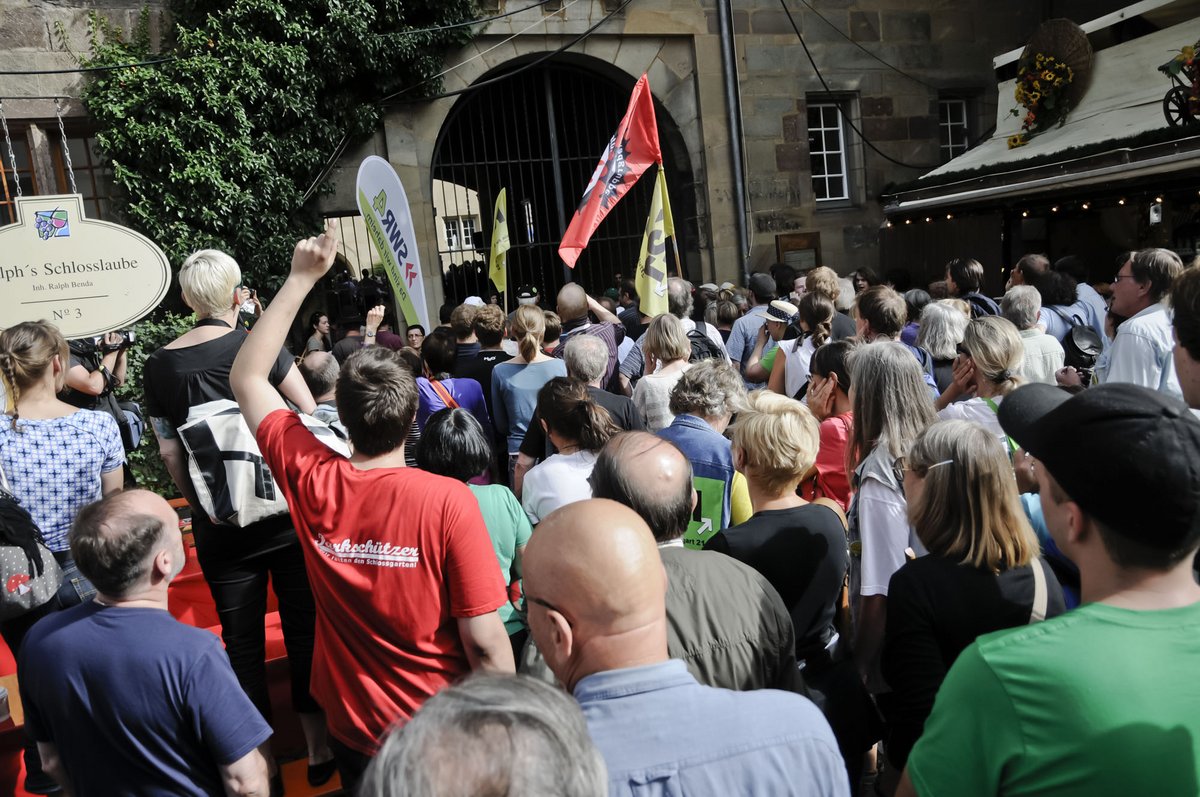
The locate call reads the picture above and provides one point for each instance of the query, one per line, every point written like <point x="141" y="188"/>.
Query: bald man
<point x="724" y="620"/>
<point x="320" y="371"/>
<point x="120" y="695"/>
<point x="573" y="306"/>
<point x="597" y="611"/>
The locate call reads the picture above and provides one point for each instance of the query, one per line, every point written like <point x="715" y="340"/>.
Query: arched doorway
<point x="539" y="133"/>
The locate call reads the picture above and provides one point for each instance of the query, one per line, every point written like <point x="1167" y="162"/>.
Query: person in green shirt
<point x="1102" y="700"/>
<point x="454" y="445"/>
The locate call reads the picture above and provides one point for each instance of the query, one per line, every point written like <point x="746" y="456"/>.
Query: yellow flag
<point x="651" y="280"/>
<point x="496" y="264"/>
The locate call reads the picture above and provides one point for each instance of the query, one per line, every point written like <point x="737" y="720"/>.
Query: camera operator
<point x="97" y="369"/>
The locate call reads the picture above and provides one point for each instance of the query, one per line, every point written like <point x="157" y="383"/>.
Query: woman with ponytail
<point x="515" y="384"/>
<point x="791" y="372"/>
<point x="988" y="368"/>
<point x="56" y="459"/>
<point x="578" y="427"/>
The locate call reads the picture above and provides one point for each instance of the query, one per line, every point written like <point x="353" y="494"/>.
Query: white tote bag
<point x="233" y="483"/>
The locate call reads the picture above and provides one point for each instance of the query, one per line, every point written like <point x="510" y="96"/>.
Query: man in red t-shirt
<point x="401" y="565"/>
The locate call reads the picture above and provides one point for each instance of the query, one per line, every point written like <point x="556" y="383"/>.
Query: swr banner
<point x="384" y="206"/>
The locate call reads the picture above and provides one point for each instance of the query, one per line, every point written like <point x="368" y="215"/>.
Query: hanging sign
<point x="85" y="276"/>
<point x="384" y="206"/>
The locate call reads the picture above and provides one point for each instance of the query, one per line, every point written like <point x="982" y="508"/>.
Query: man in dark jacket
<point x="725" y="621"/>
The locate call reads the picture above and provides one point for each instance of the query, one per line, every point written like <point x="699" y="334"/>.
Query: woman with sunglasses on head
<point x="983" y="572"/>
<point x="987" y="369"/>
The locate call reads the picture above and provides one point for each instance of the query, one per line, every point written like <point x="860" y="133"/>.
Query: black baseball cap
<point x="1128" y="455"/>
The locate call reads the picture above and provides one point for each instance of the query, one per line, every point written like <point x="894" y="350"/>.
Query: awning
<point x="1125" y="99"/>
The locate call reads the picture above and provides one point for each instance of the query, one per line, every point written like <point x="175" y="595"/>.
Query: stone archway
<point x="538" y="133"/>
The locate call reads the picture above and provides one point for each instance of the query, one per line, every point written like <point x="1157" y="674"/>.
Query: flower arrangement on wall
<point x="1044" y="91"/>
<point x="1184" y="68"/>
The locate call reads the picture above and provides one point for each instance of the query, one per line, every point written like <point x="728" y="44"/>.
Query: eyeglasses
<point x="548" y="605"/>
<point x="903" y="466"/>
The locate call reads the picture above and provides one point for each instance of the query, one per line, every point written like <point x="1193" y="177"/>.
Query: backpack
<point x="29" y="574"/>
<point x="703" y="347"/>
<point x="1081" y="344"/>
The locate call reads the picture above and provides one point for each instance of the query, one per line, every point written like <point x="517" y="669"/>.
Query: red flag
<point x="632" y="149"/>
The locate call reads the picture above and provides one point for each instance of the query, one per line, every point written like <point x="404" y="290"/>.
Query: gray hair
<point x="1021" y="306"/>
<point x="890" y="398"/>
<point x="709" y="389"/>
<point x="941" y="330"/>
<point x="679" y="297"/>
<point x="320" y="372"/>
<point x="586" y="357"/>
<point x="490" y="734"/>
<point x="1158" y="267"/>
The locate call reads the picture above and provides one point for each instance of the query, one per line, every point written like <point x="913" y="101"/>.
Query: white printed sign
<point x="85" y="276"/>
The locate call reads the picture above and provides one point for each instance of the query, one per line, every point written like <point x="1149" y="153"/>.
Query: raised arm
<point x="601" y="313"/>
<point x="249" y="377"/>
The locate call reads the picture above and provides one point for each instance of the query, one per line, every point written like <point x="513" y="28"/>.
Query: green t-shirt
<point x="767" y="361"/>
<point x="1100" y="701"/>
<point x="509" y="528"/>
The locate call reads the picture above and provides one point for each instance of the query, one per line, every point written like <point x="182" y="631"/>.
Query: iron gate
<point x="539" y="134"/>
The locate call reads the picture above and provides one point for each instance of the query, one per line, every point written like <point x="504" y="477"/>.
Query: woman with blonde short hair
<point x="989" y="365"/>
<point x="775" y="443"/>
<point x="666" y="348"/>
<point x="238" y="563"/>
<point x="983" y="572"/>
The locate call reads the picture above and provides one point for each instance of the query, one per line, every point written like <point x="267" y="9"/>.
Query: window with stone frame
<point x="453" y="234"/>
<point x="93" y="174"/>
<point x="24" y="176"/>
<point x="954" y="135"/>
<point x="828" y="151"/>
<point x="460" y="233"/>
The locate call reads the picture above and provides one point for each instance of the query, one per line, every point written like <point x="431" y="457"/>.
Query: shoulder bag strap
<point x="1012" y="444"/>
<point x="837" y="510"/>
<point x="1040" y="594"/>
<point x="443" y="394"/>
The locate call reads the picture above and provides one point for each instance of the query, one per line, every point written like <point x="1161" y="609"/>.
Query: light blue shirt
<point x="1058" y="327"/>
<point x="1142" y="353"/>
<point x="662" y="733"/>
<point x="515" y="388"/>
<point x="742" y="337"/>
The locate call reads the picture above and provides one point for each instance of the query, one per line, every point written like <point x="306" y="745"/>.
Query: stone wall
<point x="946" y="45"/>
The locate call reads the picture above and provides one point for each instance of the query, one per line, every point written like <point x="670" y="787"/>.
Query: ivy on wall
<point x="217" y="147"/>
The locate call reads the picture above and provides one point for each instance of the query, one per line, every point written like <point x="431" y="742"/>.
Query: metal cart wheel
<point x="1176" y="108"/>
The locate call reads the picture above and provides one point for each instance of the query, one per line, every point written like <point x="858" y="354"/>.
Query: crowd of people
<point x="814" y="536"/>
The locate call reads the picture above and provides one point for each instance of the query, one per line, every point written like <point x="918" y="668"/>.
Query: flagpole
<point x="674" y="243"/>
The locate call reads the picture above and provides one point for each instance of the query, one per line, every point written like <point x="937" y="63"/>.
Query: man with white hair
<point x="522" y="733"/>
<point x="586" y="357"/>
<point x="1044" y="355"/>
